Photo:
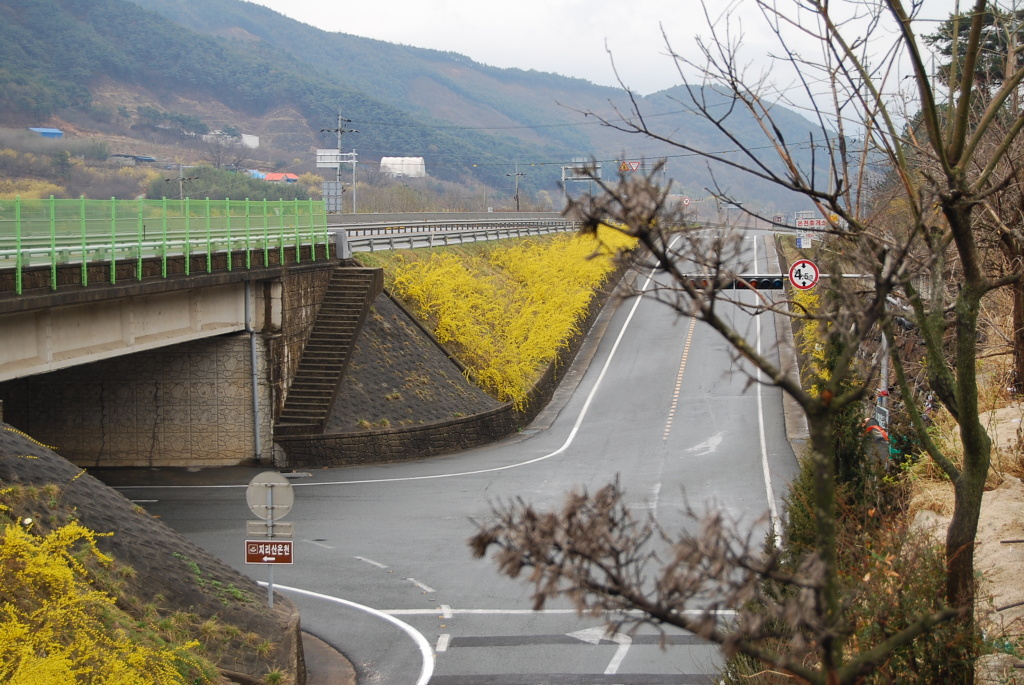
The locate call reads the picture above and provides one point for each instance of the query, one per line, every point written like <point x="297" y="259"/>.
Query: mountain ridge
<point x="473" y="123"/>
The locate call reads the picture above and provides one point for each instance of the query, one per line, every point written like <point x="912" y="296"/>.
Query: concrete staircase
<point x="314" y="389"/>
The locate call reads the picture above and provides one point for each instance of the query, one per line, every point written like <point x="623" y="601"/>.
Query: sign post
<point x="270" y="496"/>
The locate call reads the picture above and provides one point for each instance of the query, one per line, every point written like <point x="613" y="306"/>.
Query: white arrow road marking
<point x="709" y="445"/>
<point x="595" y="635"/>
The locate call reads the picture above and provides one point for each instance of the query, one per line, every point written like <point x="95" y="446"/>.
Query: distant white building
<point x="244" y="139"/>
<point x="411" y="167"/>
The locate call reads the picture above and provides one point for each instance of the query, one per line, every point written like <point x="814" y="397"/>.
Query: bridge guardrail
<point x="58" y="232"/>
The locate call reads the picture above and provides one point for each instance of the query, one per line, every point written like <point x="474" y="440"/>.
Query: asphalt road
<point x="380" y="551"/>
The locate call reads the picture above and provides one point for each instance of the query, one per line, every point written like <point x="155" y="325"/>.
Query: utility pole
<point x="181" y="181"/>
<point x="340" y="130"/>
<point x="353" y="179"/>
<point x="517" y="174"/>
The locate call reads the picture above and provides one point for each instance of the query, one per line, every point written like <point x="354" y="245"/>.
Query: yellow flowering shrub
<point x="809" y="339"/>
<point x="508" y="309"/>
<point x="55" y="627"/>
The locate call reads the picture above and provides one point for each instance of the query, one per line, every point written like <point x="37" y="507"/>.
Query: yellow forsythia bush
<point x="809" y="338"/>
<point x="56" y="628"/>
<point x="511" y="308"/>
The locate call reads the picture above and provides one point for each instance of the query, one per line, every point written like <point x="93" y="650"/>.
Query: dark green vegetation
<point x="217" y="184"/>
<point x="226" y="63"/>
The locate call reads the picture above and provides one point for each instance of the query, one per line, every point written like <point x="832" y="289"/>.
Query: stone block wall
<point x="398" y="444"/>
<point x="188" y="404"/>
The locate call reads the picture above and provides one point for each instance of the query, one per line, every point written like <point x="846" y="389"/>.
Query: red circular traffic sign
<point x="804" y="274"/>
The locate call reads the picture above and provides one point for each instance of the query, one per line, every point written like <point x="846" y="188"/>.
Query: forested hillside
<point x="53" y="52"/>
<point x="233" y="64"/>
<point x="531" y="107"/>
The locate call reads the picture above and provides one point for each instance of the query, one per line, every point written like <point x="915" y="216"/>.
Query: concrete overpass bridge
<point x="189" y="333"/>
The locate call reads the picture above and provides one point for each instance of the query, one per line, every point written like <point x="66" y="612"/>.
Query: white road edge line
<point x="765" y="470"/>
<point x="426" y="671"/>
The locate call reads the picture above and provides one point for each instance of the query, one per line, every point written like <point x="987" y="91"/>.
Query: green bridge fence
<point x="58" y="232"/>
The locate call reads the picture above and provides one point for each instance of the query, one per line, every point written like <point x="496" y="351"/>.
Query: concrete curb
<point x="324" y="664"/>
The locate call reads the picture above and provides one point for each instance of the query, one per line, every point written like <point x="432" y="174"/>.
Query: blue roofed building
<point x="48" y="132"/>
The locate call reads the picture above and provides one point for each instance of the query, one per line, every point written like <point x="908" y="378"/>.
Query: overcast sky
<point x="567" y="37"/>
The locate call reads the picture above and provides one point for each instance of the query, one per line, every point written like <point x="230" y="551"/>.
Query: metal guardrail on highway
<point x="371" y="237"/>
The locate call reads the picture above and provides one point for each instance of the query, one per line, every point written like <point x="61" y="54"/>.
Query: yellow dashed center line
<point x="679" y="379"/>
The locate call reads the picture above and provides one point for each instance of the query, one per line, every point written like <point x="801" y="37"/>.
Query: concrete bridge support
<point x="160" y="373"/>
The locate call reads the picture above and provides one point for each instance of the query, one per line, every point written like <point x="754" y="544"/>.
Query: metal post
<point x="188" y="238"/>
<point x="85" y="260"/>
<point x="53" y="244"/>
<point x="270" y="536"/>
<point x="340" y="130"/>
<point x="163" y="240"/>
<point x="298" y="234"/>
<point x="883" y="382"/>
<point x="227" y="229"/>
<point x="18" y="258"/>
<point x="209" y="239"/>
<point x="113" y="240"/>
<point x="141" y="231"/>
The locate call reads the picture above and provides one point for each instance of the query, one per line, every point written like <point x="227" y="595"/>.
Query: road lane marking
<point x="318" y="544"/>
<point x="677" y="391"/>
<point x="425" y="588"/>
<point x="576" y="679"/>
<point x="449" y="612"/>
<point x="442" y="643"/>
<point x="484" y="641"/>
<point x="371" y="562"/>
<point x="426" y="652"/>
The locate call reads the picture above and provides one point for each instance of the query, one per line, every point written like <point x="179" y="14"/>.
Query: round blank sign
<point x="270" y="487"/>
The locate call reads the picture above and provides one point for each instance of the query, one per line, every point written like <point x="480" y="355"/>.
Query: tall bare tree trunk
<point x="969" y="486"/>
